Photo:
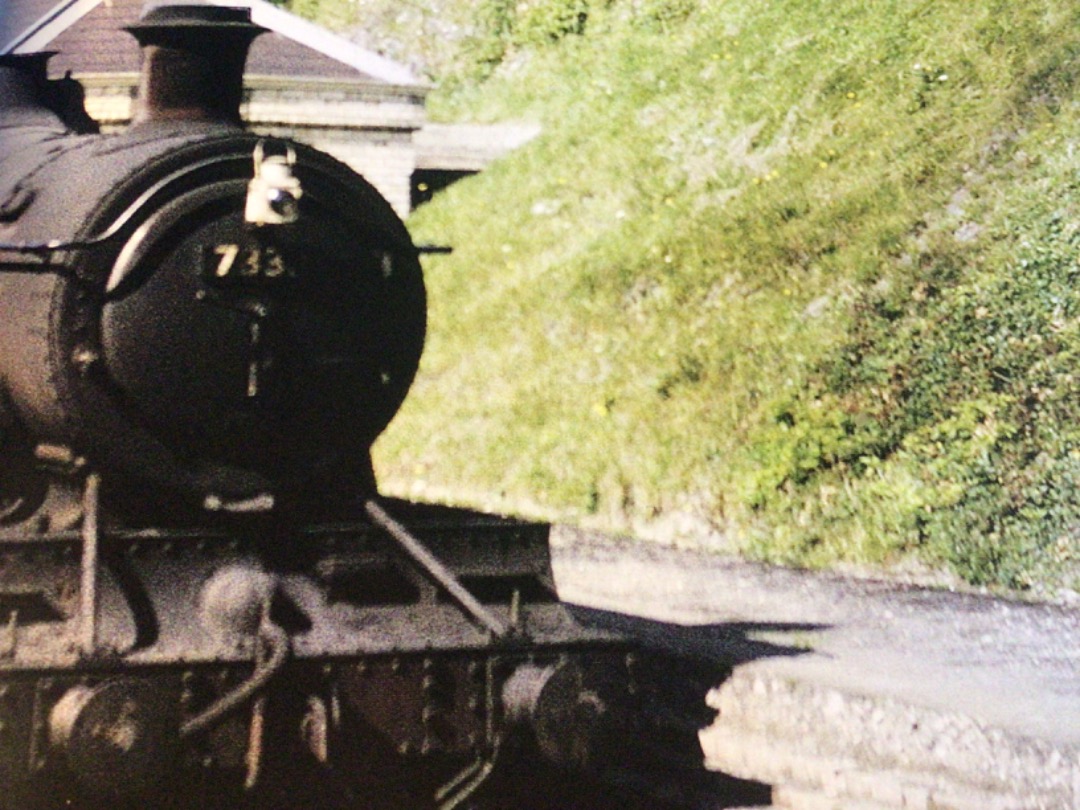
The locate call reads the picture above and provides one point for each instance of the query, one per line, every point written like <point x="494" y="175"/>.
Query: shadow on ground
<point x="676" y="668"/>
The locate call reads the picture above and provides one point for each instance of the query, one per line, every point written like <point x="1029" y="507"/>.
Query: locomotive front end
<point x="230" y="317"/>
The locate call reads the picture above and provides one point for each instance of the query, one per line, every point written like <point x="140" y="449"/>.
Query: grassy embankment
<point x="802" y="275"/>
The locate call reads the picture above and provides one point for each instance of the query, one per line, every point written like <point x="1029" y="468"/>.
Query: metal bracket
<point x="91" y="538"/>
<point x="438" y="572"/>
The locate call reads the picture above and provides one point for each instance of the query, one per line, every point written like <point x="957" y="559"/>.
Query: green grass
<point x="805" y="272"/>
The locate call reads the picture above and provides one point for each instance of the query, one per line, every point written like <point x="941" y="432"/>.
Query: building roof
<point x="89" y="37"/>
<point x="17" y="16"/>
<point x="468" y="147"/>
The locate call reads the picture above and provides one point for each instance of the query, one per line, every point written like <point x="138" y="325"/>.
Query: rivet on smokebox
<point x="85" y="358"/>
<point x="234" y="600"/>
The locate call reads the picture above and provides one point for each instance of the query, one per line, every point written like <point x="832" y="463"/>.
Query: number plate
<point x="233" y="263"/>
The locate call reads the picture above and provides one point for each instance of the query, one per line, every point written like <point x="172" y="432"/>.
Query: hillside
<point x="799" y="279"/>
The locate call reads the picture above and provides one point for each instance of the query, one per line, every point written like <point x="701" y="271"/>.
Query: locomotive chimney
<point x="193" y="64"/>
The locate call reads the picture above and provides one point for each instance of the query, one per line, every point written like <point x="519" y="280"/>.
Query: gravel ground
<point x="872" y="676"/>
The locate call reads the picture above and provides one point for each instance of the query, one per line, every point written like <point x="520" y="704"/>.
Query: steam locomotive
<point x="203" y="599"/>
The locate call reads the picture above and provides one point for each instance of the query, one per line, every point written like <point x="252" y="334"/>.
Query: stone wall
<point x="828" y="749"/>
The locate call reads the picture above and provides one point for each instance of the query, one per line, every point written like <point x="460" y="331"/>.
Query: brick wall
<point x="369" y="128"/>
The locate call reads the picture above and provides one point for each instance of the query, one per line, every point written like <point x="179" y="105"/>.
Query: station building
<point x="302" y="82"/>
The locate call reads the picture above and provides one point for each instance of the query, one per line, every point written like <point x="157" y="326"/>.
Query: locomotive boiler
<point x="203" y="599"/>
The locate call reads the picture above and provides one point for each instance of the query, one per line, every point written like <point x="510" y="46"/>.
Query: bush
<point x="805" y="269"/>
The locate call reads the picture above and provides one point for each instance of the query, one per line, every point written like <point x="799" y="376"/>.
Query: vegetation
<point x="804" y="274"/>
